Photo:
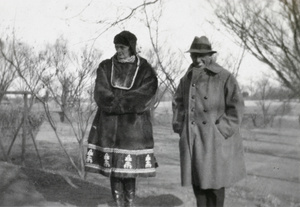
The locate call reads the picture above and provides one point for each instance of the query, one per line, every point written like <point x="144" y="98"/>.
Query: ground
<point x="37" y="187"/>
<point x="272" y="161"/>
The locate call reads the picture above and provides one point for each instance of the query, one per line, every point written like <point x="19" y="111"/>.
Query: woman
<point x="120" y="144"/>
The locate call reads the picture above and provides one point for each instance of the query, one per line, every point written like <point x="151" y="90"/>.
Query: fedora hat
<point x="201" y="45"/>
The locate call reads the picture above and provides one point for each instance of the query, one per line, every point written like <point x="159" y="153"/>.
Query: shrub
<point x="11" y="117"/>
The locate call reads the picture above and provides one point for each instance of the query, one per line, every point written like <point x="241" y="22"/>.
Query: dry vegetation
<point x="272" y="160"/>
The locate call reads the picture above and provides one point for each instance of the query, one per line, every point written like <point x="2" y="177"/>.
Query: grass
<point x="272" y="157"/>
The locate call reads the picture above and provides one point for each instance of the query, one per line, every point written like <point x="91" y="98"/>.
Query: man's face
<point x="198" y="58"/>
<point x="123" y="51"/>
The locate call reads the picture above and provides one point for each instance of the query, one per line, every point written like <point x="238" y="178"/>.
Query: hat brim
<point x="201" y="51"/>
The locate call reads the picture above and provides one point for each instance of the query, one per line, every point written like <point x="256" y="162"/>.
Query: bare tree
<point x="233" y="62"/>
<point x="26" y="67"/>
<point x="68" y="78"/>
<point x="8" y="74"/>
<point x="167" y="61"/>
<point x="71" y="85"/>
<point x="127" y="14"/>
<point x="59" y="59"/>
<point x="83" y="104"/>
<point x="270" y="31"/>
<point x="264" y="92"/>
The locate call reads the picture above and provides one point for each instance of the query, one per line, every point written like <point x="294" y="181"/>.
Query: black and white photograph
<point x="150" y="103"/>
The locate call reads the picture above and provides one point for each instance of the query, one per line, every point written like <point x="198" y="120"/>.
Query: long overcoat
<point x="120" y="142"/>
<point x="207" y="112"/>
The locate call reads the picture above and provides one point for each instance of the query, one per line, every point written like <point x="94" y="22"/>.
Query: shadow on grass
<point x="165" y="200"/>
<point x="55" y="188"/>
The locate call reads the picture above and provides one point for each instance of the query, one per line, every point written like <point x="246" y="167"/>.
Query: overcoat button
<point x="193" y="109"/>
<point x="193" y="122"/>
<point x="193" y="97"/>
<point x="193" y="84"/>
<point x="204" y="122"/>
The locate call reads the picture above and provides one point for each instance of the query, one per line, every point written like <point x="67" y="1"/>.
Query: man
<point x="207" y="113"/>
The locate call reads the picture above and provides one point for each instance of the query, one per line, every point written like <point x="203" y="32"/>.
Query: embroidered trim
<point x="120" y="170"/>
<point x="90" y="155"/>
<point x="106" y="160"/>
<point x="148" y="161"/>
<point x="136" y="71"/>
<point x="122" y="151"/>
<point x="128" y="161"/>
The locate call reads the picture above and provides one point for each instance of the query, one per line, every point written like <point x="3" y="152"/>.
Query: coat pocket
<point x="224" y="128"/>
<point x="219" y="131"/>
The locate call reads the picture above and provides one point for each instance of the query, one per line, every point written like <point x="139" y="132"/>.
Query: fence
<point x="25" y="130"/>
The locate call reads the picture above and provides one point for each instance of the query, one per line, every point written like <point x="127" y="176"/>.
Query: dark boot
<point x="117" y="190"/>
<point x="129" y="186"/>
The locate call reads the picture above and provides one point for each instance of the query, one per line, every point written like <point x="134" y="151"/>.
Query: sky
<point x="38" y="22"/>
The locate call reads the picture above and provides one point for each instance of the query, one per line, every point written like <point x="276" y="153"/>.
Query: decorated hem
<point x="120" y="162"/>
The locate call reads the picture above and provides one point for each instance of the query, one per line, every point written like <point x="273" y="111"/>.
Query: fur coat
<point x="121" y="142"/>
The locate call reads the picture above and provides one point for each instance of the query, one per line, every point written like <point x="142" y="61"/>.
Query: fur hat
<point x="201" y="45"/>
<point x="126" y="38"/>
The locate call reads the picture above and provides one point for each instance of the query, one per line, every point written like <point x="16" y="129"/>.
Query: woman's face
<point x="123" y="51"/>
